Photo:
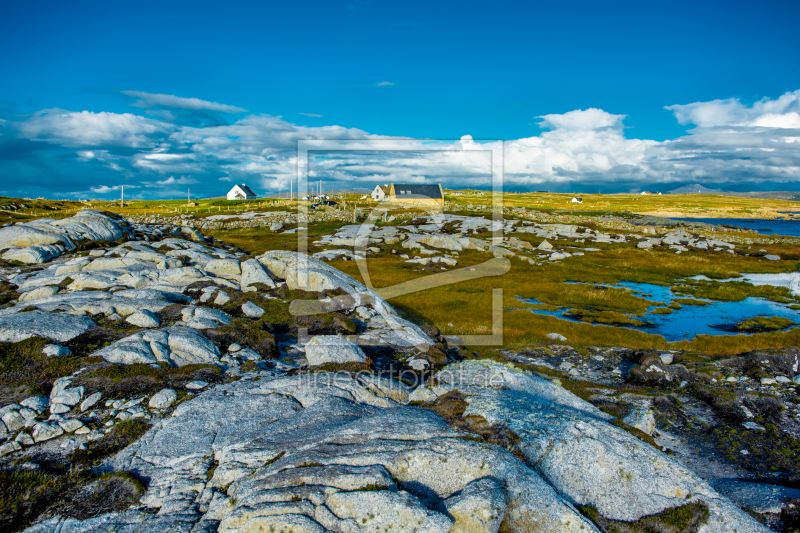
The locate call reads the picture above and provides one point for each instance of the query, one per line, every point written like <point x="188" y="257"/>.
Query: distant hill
<point x="695" y="189"/>
<point x="699" y="189"/>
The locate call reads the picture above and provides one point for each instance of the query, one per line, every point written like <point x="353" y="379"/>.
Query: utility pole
<point x="122" y="197"/>
<point x="188" y="196"/>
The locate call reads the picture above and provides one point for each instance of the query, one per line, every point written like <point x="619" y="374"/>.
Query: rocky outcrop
<point x="177" y="346"/>
<point x="589" y="461"/>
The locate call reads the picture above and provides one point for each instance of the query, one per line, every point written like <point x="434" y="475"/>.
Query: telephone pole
<point x="122" y="197"/>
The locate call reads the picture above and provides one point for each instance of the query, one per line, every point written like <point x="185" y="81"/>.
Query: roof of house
<point x="245" y="189"/>
<point x="384" y="188"/>
<point x="406" y="190"/>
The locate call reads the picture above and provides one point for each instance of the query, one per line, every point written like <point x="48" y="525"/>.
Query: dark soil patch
<point x="29" y="495"/>
<point x="123" y="434"/>
<point x="451" y="407"/>
<point x="136" y="380"/>
<point x="25" y="370"/>
<point x="684" y="519"/>
<point x="110" y="493"/>
<point x="97" y="337"/>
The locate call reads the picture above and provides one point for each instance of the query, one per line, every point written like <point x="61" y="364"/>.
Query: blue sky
<point x="266" y="75"/>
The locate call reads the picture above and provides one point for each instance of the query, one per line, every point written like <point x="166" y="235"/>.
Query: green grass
<point x="731" y="291"/>
<point x="24" y="366"/>
<point x="681" y="519"/>
<point x="765" y="323"/>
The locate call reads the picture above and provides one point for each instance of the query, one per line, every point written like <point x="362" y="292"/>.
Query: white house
<point x="241" y="192"/>
<point x="576" y="200"/>
<point x="379" y="193"/>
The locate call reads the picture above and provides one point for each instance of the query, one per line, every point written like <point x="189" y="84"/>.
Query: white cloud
<point x="73" y="129"/>
<point x="170" y="100"/>
<point x="313" y="115"/>
<point x="780" y="113"/>
<point x="183" y="180"/>
<point x="580" y="149"/>
<point x="589" y="119"/>
<point x="384" y="84"/>
<point x="105" y="189"/>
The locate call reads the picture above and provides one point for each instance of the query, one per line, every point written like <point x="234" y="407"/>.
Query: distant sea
<point x="767" y="227"/>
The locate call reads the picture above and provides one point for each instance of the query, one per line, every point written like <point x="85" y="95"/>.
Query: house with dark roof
<point x="241" y="192"/>
<point x="411" y="193"/>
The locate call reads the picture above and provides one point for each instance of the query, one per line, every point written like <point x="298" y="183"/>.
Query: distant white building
<point x="576" y="200"/>
<point x="379" y="193"/>
<point x="241" y="192"/>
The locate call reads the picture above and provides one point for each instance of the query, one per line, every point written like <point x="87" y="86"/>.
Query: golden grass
<point x="677" y="205"/>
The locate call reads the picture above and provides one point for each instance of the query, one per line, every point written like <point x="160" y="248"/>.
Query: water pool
<point x="690" y="320"/>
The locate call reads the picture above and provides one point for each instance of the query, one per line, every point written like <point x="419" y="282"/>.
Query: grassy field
<point x="669" y="205"/>
<point x="465" y="308"/>
<point x="691" y="205"/>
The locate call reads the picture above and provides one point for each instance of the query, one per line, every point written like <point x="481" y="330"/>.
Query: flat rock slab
<point x="583" y="456"/>
<point x="323" y="455"/>
<point x="57" y="327"/>
<point x="758" y="497"/>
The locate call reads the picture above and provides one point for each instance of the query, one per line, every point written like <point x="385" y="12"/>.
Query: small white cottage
<point x="576" y="200"/>
<point x="379" y="193"/>
<point x="241" y="192"/>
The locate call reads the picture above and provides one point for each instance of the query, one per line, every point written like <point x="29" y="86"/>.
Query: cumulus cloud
<point x="589" y="119"/>
<point x="84" y="128"/>
<point x="72" y="152"/>
<point x="767" y="113"/>
<point x="170" y="100"/>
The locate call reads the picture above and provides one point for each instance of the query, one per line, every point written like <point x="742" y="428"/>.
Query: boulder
<point x="324" y="349"/>
<point x="176" y="345"/>
<point x="37" y="403"/>
<point x="91" y="401"/>
<point x="477" y="508"/>
<point x="55" y="350"/>
<point x="163" y="399"/>
<point x="57" y="327"/>
<point x="225" y="268"/>
<point x="35" y="294"/>
<point x="222" y="298"/>
<point x="204" y="317"/>
<point x="10" y="447"/>
<point x="252" y="310"/>
<point x="13" y="421"/>
<point x="67" y="396"/>
<point x="252" y="273"/>
<point x="44" y="431"/>
<point x="143" y="319"/>
<point x="642" y="419"/>
<point x="23" y="236"/>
